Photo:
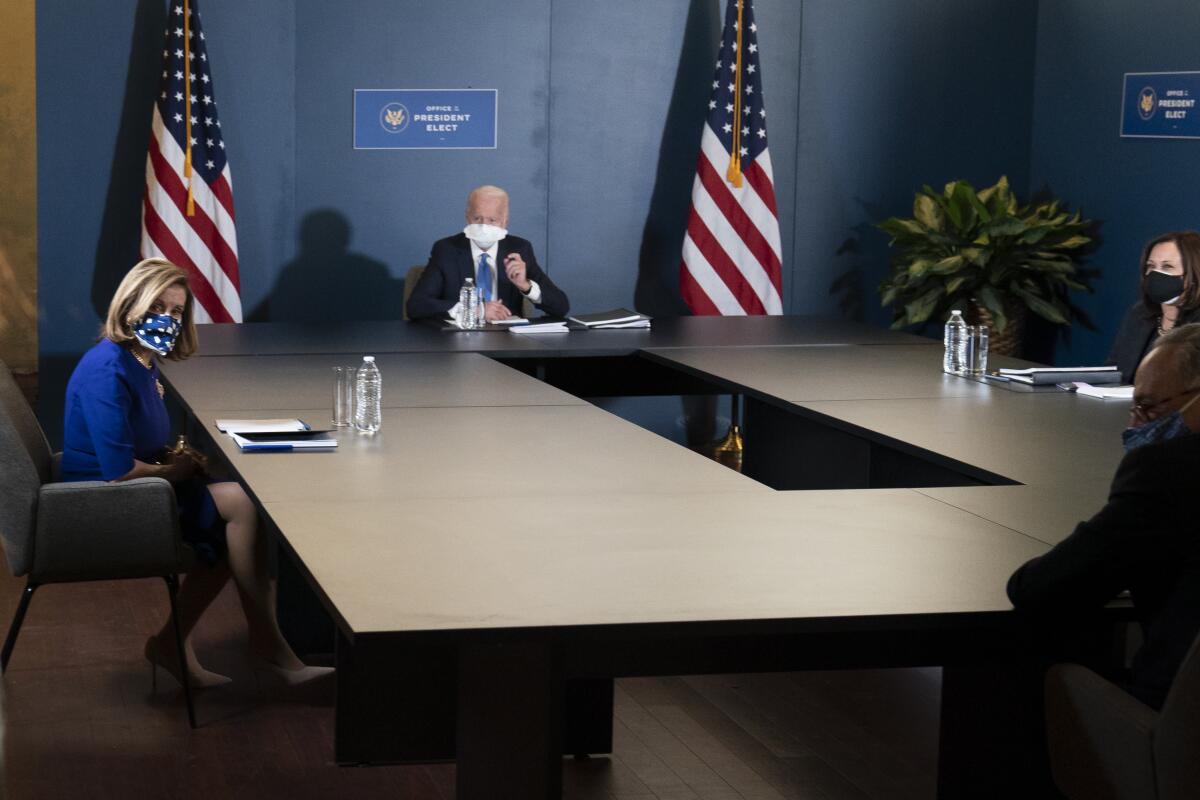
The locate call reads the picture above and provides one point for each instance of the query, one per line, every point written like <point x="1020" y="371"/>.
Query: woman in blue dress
<point x="117" y="429"/>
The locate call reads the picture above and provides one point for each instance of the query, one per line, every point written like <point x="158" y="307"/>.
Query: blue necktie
<point x="483" y="278"/>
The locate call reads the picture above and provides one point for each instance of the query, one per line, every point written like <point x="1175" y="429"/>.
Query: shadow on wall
<point x="657" y="291"/>
<point x="327" y="282"/>
<point x="856" y="286"/>
<point x="121" y="231"/>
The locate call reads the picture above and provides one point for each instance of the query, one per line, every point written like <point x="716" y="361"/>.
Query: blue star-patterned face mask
<point x="158" y="332"/>
<point x="1162" y="429"/>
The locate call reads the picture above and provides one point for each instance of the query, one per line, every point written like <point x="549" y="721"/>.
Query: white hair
<point x="487" y="190"/>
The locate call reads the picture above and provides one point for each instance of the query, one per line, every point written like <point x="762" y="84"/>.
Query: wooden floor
<point x="82" y="722"/>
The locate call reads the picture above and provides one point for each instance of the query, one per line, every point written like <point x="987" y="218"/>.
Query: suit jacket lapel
<point x="466" y="268"/>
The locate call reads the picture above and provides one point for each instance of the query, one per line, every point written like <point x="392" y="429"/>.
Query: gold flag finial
<point x="187" y="105"/>
<point x="734" y="173"/>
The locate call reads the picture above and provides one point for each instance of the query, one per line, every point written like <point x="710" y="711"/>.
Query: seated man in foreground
<point x="503" y="266"/>
<point x="1146" y="539"/>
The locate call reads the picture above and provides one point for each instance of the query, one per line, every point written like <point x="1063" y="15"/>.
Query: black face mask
<point x="1163" y="288"/>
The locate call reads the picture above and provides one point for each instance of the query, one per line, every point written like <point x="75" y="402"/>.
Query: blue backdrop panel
<point x="403" y="119"/>
<point x="1160" y="105"/>
<point x="1137" y="188"/>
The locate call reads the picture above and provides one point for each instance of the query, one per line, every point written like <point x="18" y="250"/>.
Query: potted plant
<point x="984" y="253"/>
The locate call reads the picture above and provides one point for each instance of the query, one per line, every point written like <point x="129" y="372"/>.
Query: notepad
<point x="262" y="425"/>
<point x="284" y="440"/>
<point x="608" y="326"/>
<point x="615" y="317"/>
<point x="1040" y="376"/>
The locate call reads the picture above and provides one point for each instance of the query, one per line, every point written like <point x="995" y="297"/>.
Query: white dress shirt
<point x="534" y="294"/>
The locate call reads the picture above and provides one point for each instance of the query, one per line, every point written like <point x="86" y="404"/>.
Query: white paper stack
<point x="540" y="327"/>
<point x="1104" y="392"/>
<point x="262" y="425"/>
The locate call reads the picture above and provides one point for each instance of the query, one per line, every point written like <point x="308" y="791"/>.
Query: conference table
<point x="502" y="549"/>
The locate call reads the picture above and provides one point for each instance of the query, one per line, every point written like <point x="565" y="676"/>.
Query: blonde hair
<point x="137" y="292"/>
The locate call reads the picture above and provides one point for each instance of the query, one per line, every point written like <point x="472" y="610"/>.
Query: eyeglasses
<point x="1147" y="411"/>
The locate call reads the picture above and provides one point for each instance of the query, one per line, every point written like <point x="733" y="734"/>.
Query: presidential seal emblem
<point x="1147" y="102"/>
<point x="394" y="117"/>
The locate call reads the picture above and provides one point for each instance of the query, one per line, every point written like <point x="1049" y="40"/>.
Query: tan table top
<point x="561" y="514"/>
<point x="596" y="559"/>
<point x="306" y="381"/>
<point x="532" y="452"/>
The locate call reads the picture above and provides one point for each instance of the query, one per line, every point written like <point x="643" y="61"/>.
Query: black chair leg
<point x="10" y="641"/>
<point x="172" y="591"/>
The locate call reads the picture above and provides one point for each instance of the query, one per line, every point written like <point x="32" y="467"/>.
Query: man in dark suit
<point x="1146" y="539"/>
<point x="503" y="266"/>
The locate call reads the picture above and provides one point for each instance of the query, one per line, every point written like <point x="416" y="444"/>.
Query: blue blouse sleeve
<point x="105" y="401"/>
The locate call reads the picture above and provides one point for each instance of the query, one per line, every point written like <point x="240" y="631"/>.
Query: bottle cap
<point x="368" y="358"/>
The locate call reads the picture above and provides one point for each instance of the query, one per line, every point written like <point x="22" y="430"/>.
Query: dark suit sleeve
<point x="433" y="295"/>
<point x="1131" y="339"/>
<point x="554" y="300"/>
<point x="1097" y="561"/>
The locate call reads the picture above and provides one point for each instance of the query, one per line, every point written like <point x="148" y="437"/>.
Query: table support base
<point x="510" y="713"/>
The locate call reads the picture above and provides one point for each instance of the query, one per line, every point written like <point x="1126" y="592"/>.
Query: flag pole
<point x="734" y="173"/>
<point x="187" y="105"/>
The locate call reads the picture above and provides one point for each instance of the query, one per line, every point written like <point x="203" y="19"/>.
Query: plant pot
<point x="1007" y="342"/>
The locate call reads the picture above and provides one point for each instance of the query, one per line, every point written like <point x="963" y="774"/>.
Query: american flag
<point x="731" y="253"/>
<point x="194" y="231"/>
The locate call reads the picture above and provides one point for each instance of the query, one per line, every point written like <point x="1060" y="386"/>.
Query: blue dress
<point x="114" y="415"/>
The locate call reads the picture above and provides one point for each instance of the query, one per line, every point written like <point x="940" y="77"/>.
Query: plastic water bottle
<point x="465" y="318"/>
<point x="955" y="339"/>
<point x="473" y="304"/>
<point x="368" y="397"/>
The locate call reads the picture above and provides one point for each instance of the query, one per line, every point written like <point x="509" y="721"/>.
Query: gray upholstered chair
<point x="81" y="531"/>
<point x="1106" y="744"/>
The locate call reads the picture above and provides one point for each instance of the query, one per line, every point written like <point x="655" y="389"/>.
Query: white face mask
<point x="484" y="235"/>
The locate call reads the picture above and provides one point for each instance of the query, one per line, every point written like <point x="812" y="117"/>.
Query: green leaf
<point x="964" y="197"/>
<point x="889" y="296"/>
<point x="991" y="301"/>
<point x="996" y="197"/>
<point x="919" y="267"/>
<point x="928" y="212"/>
<point x="1044" y="265"/>
<point x="951" y="209"/>
<point x="1073" y="242"/>
<point x="1035" y="234"/>
<point x="954" y="284"/>
<point x="1039" y="306"/>
<point x="1005" y="226"/>
<point x="978" y="256"/>
<point x="901" y="228"/>
<point x="980" y="209"/>
<point x="919" y="310"/>
<point x="948" y="265"/>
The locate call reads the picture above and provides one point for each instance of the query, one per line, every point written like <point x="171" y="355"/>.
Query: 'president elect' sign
<point x="425" y="119"/>
<point x="1161" y="105"/>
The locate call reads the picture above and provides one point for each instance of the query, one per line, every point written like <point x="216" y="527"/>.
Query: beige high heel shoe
<point x="270" y="674"/>
<point x="169" y="662"/>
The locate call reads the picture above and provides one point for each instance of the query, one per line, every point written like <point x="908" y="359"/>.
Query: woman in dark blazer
<point x="1170" y="296"/>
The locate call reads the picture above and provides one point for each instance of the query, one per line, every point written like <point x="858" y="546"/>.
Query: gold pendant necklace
<point x="146" y="362"/>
